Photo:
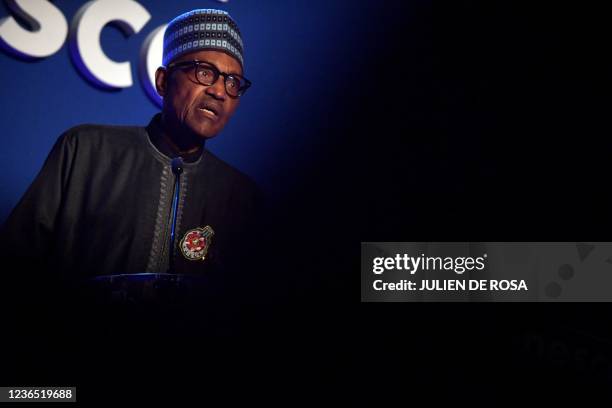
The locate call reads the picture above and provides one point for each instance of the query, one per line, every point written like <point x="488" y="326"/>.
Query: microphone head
<point x="177" y="165"/>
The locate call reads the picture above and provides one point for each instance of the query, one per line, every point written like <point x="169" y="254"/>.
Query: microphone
<point x="177" y="169"/>
<point x="177" y="165"/>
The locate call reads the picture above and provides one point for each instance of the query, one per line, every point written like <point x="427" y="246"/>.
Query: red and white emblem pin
<point x="195" y="243"/>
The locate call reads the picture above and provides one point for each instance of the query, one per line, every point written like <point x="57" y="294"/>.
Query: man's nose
<point x="217" y="90"/>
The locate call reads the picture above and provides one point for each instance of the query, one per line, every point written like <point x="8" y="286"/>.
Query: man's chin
<point x="203" y="133"/>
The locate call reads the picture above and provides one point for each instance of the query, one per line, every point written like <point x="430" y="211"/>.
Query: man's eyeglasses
<point x="207" y="74"/>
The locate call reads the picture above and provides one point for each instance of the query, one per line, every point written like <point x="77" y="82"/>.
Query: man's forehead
<point x="221" y="60"/>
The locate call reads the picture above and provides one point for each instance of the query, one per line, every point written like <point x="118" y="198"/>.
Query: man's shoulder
<point x="98" y="133"/>
<point x="227" y="173"/>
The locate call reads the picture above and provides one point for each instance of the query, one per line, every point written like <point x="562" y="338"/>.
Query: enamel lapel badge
<point x="195" y="243"/>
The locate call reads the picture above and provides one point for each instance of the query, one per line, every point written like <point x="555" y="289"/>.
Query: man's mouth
<point x="208" y="109"/>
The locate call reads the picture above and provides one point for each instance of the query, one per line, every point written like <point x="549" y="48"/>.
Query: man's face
<point x="193" y="107"/>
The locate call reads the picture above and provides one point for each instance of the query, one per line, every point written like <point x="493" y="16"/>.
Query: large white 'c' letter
<point x="48" y="24"/>
<point x="85" y="46"/>
<point x="151" y="55"/>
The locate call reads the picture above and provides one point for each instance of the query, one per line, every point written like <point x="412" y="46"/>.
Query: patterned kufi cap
<point x="202" y="29"/>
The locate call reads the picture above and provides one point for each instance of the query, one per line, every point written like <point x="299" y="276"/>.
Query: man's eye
<point x="205" y="73"/>
<point x="233" y="83"/>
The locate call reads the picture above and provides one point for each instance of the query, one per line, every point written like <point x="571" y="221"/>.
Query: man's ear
<point x="161" y="81"/>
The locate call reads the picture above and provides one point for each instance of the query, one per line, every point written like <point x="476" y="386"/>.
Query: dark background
<point x="496" y="133"/>
<point x="466" y="121"/>
<point x="479" y="121"/>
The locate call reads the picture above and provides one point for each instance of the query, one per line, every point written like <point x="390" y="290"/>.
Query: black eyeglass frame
<point x="217" y="74"/>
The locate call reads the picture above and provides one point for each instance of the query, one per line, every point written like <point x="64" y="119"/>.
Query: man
<point x="105" y="201"/>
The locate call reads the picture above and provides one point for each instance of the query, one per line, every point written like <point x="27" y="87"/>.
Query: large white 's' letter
<point x="49" y="29"/>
